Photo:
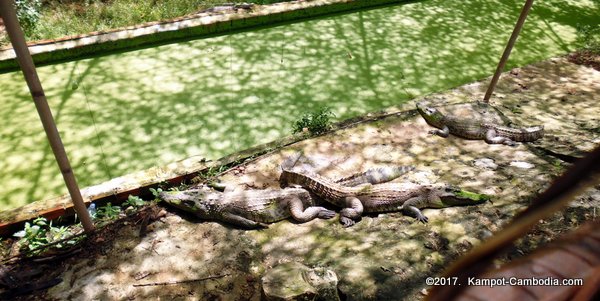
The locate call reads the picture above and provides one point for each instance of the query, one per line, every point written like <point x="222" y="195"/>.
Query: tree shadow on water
<point x="214" y="96"/>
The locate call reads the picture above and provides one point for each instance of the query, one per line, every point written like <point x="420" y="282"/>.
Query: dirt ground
<point x="385" y="256"/>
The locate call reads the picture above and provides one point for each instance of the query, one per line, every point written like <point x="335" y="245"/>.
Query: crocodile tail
<point x="526" y="134"/>
<point x="394" y="172"/>
<point x="375" y="176"/>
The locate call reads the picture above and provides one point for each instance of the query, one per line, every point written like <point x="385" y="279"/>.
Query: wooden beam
<point x="508" y="49"/>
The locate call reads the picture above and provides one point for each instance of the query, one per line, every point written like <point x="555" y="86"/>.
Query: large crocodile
<point x="254" y="208"/>
<point x="406" y="197"/>
<point x="477" y="129"/>
<point x="248" y="208"/>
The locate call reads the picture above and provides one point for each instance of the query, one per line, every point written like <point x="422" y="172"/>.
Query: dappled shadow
<point x="389" y="254"/>
<point x="171" y="250"/>
<point x="214" y="96"/>
<point x="383" y="256"/>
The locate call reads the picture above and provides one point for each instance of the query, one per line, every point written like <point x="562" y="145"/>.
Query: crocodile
<point x="255" y="208"/>
<point x="247" y="208"/>
<point x="477" y="129"/>
<point x="406" y="197"/>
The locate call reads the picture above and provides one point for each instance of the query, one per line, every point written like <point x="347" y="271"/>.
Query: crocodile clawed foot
<point x="346" y="222"/>
<point x="326" y="214"/>
<point x="510" y="143"/>
<point x="423" y="219"/>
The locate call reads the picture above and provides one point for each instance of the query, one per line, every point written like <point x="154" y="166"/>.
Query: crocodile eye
<point x="188" y="203"/>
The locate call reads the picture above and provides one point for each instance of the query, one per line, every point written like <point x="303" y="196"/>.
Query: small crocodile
<point x="477" y="129"/>
<point x="407" y="197"/>
<point x="254" y="208"/>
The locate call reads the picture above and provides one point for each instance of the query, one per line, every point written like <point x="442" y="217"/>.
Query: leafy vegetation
<point x="316" y="123"/>
<point x="588" y="38"/>
<point x="28" y="13"/>
<point x="35" y="236"/>
<point x="108" y="212"/>
<point x="54" y="19"/>
<point x="210" y="173"/>
<point x="588" y="41"/>
<point x="155" y="192"/>
<point x="39" y="235"/>
<point x="135" y="201"/>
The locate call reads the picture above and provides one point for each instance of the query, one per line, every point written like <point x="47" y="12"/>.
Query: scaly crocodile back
<point x="389" y="197"/>
<point x="478" y="129"/>
<point x="321" y="186"/>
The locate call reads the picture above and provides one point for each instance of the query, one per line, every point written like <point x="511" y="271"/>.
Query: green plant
<point x="40" y="233"/>
<point x="135" y="201"/>
<point x="212" y="171"/>
<point x="28" y="13"/>
<point x="316" y="123"/>
<point x="108" y="212"/>
<point x="155" y="192"/>
<point x="61" y="233"/>
<point x="588" y="38"/>
<point x="558" y="166"/>
<point x="34" y="234"/>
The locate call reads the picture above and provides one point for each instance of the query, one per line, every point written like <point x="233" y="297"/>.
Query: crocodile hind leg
<point x="492" y="137"/>
<point x="241" y="221"/>
<point x="444" y="132"/>
<point x="302" y="214"/>
<point x="411" y="207"/>
<point x="352" y="211"/>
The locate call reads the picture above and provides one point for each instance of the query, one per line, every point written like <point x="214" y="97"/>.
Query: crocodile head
<point x="200" y="202"/>
<point x="448" y="196"/>
<point x="432" y="115"/>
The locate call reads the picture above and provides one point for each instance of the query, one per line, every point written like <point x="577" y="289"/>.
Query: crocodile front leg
<point x="444" y="132"/>
<point x="492" y="137"/>
<point x="411" y="207"/>
<point x="301" y="214"/>
<point x="352" y="211"/>
<point x="241" y="221"/>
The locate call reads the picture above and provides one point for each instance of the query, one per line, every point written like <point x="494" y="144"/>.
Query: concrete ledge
<point x="118" y="189"/>
<point x="197" y="25"/>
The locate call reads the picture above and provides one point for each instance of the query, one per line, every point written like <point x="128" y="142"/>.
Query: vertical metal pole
<point x="8" y="13"/>
<point x="508" y="49"/>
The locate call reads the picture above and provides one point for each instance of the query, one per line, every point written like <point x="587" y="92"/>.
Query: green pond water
<point x="126" y="112"/>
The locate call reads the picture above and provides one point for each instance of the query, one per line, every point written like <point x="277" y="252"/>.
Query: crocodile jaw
<point x="188" y="201"/>
<point x="450" y="196"/>
<point x="462" y="198"/>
